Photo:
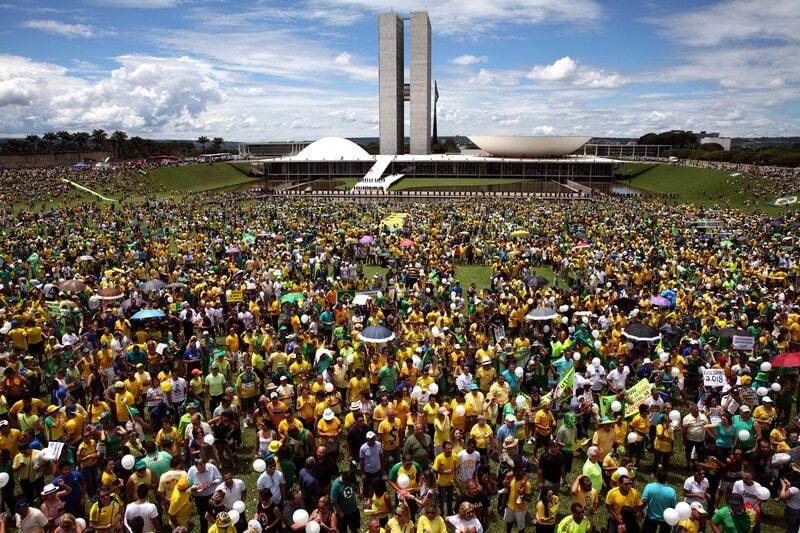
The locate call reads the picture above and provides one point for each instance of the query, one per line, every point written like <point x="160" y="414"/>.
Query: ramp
<point x="373" y="179"/>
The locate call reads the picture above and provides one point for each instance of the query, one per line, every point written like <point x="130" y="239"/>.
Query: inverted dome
<point x="533" y="146"/>
<point x="333" y="149"/>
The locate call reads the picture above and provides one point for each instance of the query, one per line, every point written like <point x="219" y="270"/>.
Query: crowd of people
<point x="227" y="364"/>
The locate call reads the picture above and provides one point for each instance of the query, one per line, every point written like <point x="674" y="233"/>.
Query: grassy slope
<point x="199" y="178"/>
<point x="693" y="185"/>
<point x="410" y="183"/>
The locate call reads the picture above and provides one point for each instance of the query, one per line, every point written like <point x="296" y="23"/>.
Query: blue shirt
<point x="371" y="456"/>
<point x="511" y="379"/>
<point x="503" y="431"/>
<point x="74" y="481"/>
<point x="658" y="497"/>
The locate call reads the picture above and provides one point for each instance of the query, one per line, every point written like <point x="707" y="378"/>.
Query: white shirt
<point x="273" y="483"/>
<point x="469" y="462"/>
<point x="597" y="375"/>
<point x="69" y="339"/>
<point x="693" y="425"/>
<point x="462" y="525"/>
<point x="748" y="492"/>
<point x="146" y="510"/>
<point x="691" y="485"/>
<point x="464" y="381"/>
<point x="659" y="403"/>
<point x="211" y="475"/>
<point x="34" y="522"/>
<point x="189" y="431"/>
<point x="234" y="493"/>
<point x="178" y="390"/>
<point x="618" y="378"/>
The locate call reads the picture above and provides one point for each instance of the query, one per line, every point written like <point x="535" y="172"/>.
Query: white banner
<point x="714" y="377"/>
<point x="744" y="343"/>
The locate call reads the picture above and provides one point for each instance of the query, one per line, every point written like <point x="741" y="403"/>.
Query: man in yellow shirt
<point x="328" y="430"/>
<point x="485" y="375"/>
<point x="545" y="424"/>
<point x="357" y="385"/>
<point x="621" y="496"/>
<point x="391" y="432"/>
<point x="444" y="466"/>
<point x="9" y="438"/>
<point x="123" y="400"/>
<point x="640" y="424"/>
<point x="520" y="494"/>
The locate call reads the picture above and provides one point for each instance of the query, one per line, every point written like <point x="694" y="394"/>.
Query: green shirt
<point x="568" y="525"/>
<point x="734" y="523"/>
<point x="216" y="384"/>
<point x="344" y="496"/>
<point x="388" y="378"/>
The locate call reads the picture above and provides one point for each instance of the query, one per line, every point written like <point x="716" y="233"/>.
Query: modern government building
<point x="556" y="158"/>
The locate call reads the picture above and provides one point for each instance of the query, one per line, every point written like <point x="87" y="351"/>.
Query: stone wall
<point x="58" y="159"/>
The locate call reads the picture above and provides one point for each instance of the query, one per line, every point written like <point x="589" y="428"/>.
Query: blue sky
<point x="274" y="70"/>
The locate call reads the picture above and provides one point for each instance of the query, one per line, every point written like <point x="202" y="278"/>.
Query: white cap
<point x="744" y="409"/>
<point x="646" y="361"/>
<point x="328" y="415"/>
<point x="766" y="399"/>
<point x="371" y="434"/>
<point x="697" y="506"/>
<point x="511" y="418"/>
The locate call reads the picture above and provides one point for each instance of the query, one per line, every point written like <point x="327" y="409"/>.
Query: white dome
<point x="333" y="149"/>
<point x="521" y="146"/>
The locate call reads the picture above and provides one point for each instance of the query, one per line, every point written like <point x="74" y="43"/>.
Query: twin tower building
<point x="394" y="92"/>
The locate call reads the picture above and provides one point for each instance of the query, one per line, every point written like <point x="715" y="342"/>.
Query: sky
<point x="304" y="69"/>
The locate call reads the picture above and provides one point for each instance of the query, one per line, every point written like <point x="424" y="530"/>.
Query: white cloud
<point x="567" y="70"/>
<point x="495" y="77"/>
<point x="138" y="4"/>
<point x="477" y="16"/>
<point x="342" y="59"/>
<point x="61" y="28"/>
<point x="733" y="21"/>
<point x="543" y="130"/>
<point x="469" y="59"/>
<point x="562" y="69"/>
<point x="143" y="93"/>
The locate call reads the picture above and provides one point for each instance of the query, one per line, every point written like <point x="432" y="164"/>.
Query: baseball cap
<point x="744" y="409"/>
<point x="284" y="378"/>
<point x="119" y="385"/>
<point x="766" y="399"/>
<point x="511" y="418"/>
<point x="3" y="423"/>
<point x="735" y="499"/>
<point x="371" y="435"/>
<point x="273" y="395"/>
<point x="697" y="506"/>
<point x="473" y="386"/>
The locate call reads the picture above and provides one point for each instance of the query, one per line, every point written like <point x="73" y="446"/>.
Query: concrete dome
<point x="521" y="146"/>
<point x="333" y="149"/>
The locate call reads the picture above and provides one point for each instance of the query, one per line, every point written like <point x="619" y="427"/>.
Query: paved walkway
<point x="424" y="195"/>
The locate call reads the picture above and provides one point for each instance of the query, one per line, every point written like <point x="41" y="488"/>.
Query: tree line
<point x="118" y="142"/>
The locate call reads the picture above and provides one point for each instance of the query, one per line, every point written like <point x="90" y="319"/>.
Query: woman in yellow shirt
<point x="381" y="502"/>
<point x="663" y="444"/>
<point x="400" y="523"/>
<point x="546" y="511"/>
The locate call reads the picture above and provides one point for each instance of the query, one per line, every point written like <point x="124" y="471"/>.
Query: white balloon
<point x="664" y="357"/>
<point x="81" y="522"/>
<point x="671" y="516"/>
<point x="684" y="510"/>
<point x="744" y="435"/>
<point x="597" y="346"/>
<point x="3" y="479"/>
<point x="766" y="366"/>
<point x="259" y="465"/>
<point x="433" y="388"/>
<point x="403" y="480"/>
<point x="239" y="506"/>
<point x="622" y="471"/>
<point x="234" y="515"/>
<point x="416" y="392"/>
<point x="304" y="319"/>
<point x="781" y="459"/>
<point x="776" y="387"/>
<point x="546" y="329"/>
<point x="676" y="372"/>
<point x="520" y="401"/>
<point x="595" y="333"/>
<point x="312" y="527"/>
<point x="576" y="357"/>
<point x="329" y="387"/>
<point x="596" y="361"/>
<point x="675" y="415"/>
<point x="633" y="438"/>
<point x="519" y="372"/>
<point x="209" y="439"/>
<point x="762" y="391"/>
<point x="128" y="462"/>
<point x="300" y="517"/>
<point x="763" y="493"/>
<point x="350" y="359"/>
<point x="564" y="320"/>
<point x="674" y="424"/>
<point x="616" y="406"/>
<point x="460" y="410"/>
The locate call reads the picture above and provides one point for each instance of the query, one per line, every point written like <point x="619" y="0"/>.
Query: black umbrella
<point x="641" y="332"/>
<point x="376" y="334"/>
<point x="729" y="333"/>
<point x="626" y="305"/>
<point x="538" y="281"/>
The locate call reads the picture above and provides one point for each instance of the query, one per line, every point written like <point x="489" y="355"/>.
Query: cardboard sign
<point x="565" y="383"/>
<point x="714" y="377"/>
<point x="636" y="396"/>
<point x="744" y="343"/>
<point x="236" y="296"/>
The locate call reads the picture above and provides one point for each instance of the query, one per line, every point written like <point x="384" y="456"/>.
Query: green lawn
<point x="411" y="183"/>
<point x="467" y="274"/>
<point x="629" y="170"/>
<point x="345" y="184"/>
<point x="199" y="178"/>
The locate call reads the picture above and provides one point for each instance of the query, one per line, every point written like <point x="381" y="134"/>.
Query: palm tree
<point x="64" y="136"/>
<point x="118" y="138"/>
<point x="51" y="138"/>
<point x="33" y="141"/>
<point x="203" y="140"/>
<point x="217" y="142"/>
<point x="81" y="138"/>
<point x="99" y="138"/>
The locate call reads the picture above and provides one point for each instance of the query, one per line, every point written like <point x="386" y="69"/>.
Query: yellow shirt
<point x="616" y="500"/>
<point x="544" y="422"/>
<point x="664" y="438"/>
<point x="430" y="410"/>
<point x="690" y="525"/>
<point x="445" y="468"/>
<point x="641" y="425"/>
<point x="389" y="433"/>
<point x="519" y="488"/>
<point x="123" y="401"/>
<point x="482" y="435"/>
<point x="550" y="519"/>
<point x="500" y="393"/>
<point x="424" y="525"/>
<point x="10" y="442"/>
<point x="323" y="426"/>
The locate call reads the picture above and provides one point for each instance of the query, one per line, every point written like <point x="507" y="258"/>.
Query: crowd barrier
<point x="366" y="193"/>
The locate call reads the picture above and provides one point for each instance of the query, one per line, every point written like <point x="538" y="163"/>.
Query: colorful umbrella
<point x="520" y="233"/>
<point x="786" y="360"/>
<point x="154" y="285"/>
<point x="72" y="285"/>
<point x="292" y="297"/>
<point x="581" y="244"/>
<point x="366" y="239"/>
<point x="407" y="243"/>
<point x="109" y="294"/>
<point x="660" y="301"/>
<point x="233" y="250"/>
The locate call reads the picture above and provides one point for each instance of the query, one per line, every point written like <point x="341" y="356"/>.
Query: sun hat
<point x="510" y="442"/>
